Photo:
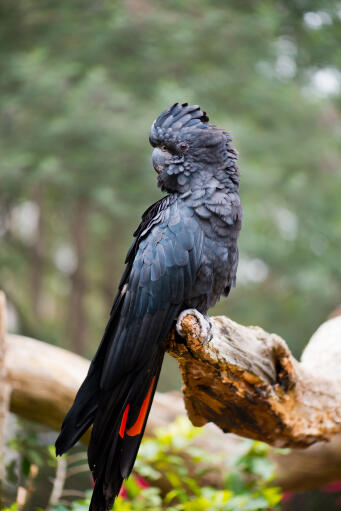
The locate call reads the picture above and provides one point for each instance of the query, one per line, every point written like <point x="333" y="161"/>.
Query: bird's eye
<point x="183" y="146"/>
<point x="163" y="148"/>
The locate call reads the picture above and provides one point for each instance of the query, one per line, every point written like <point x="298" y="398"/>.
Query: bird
<point x="184" y="256"/>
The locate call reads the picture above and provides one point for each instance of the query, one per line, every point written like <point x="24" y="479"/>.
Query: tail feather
<point x="114" y="449"/>
<point x="80" y="416"/>
<point x="83" y="411"/>
<point x="119" y="417"/>
<point x="107" y="421"/>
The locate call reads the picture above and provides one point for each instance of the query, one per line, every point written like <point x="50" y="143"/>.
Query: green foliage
<point x="13" y="507"/>
<point x="247" y="484"/>
<point x="29" y="453"/>
<point x="172" y="455"/>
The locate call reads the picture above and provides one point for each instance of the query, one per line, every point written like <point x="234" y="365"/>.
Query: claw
<point x="204" y="325"/>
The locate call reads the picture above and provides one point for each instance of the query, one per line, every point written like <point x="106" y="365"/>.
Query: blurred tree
<point x="80" y="84"/>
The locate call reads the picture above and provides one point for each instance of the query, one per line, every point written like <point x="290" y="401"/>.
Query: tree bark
<point x="37" y="257"/>
<point x="78" y="278"/>
<point x="246" y="381"/>
<point x="241" y="373"/>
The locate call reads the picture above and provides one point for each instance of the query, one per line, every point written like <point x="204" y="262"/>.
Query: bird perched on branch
<point x="184" y="256"/>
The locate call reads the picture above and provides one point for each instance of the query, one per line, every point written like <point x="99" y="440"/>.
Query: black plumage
<point x="184" y="256"/>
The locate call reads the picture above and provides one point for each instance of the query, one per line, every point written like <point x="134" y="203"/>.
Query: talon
<point x="204" y="325"/>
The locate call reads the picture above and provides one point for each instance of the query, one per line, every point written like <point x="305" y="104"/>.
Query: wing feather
<point x="164" y="268"/>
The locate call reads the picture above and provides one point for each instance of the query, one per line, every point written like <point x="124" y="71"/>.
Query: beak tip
<point x="158" y="159"/>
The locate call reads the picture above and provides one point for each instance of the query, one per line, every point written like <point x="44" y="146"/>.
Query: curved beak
<point x="159" y="158"/>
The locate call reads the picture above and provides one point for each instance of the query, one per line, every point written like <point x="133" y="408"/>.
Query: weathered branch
<point x="251" y="370"/>
<point x="246" y="381"/>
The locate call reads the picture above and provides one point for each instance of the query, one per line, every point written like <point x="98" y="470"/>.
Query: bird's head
<point x="188" y="150"/>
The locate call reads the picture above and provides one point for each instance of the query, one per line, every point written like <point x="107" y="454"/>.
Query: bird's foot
<point x="203" y="327"/>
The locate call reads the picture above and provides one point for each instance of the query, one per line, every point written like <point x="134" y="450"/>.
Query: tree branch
<point x="246" y="381"/>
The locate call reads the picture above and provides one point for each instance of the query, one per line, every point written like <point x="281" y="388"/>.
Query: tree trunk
<point x="37" y="258"/>
<point x="78" y="279"/>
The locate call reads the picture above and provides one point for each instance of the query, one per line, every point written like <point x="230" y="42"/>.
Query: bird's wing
<point x="156" y="213"/>
<point x="162" y="267"/>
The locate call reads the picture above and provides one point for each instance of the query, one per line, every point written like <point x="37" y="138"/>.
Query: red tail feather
<point x="124" y="421"/>
<point x="136" y="428"/>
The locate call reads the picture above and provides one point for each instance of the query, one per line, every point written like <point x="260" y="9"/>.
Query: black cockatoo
<point x="184" y="256"/>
